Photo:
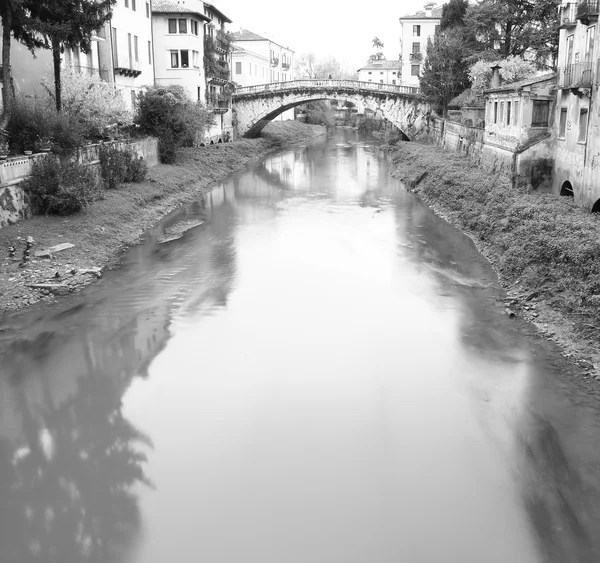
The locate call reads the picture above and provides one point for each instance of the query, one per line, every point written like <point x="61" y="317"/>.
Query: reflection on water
<point x="319" y="372"/>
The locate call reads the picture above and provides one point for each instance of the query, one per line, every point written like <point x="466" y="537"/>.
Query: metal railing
<point x="568" y="14"/>
<point x="576" y="75"/>
<point x="354" y="85"/>
<point x="91" y="71"/>
<point x="587" y="9"/>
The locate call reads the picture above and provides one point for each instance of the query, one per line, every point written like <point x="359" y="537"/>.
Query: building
<point x="259" y="60"/>
<point x="178" y="31"/>
<point x="384" y="72"/>
<point x="414" y="32"/>
<point x="130" y="45"/>
<point x="577" y="118"/>
<point x="217" y="67"/>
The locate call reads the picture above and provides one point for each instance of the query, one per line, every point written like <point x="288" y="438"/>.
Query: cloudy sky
<point x="343" y="29"/>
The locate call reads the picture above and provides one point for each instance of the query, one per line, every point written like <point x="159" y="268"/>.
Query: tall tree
<point x="453" y="14"/>
<point x="68" y="24"/>
<point x="515" y="27"/>
<point x="16" y="22"/>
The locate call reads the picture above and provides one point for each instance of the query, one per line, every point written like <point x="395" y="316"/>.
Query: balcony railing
<point x="91" y="71"/>
<point x="415" y="57"/>
<point x="577" y="75"/>
<point x="275" y="61"/>
<point x="568" y="15"/>
<point x="587" y="11"/>
<point x="285" y="66"/>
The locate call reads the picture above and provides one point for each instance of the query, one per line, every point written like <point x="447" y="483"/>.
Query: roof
<point x="382" y="65"/>
<point x="467" y="98"/>
<point x="247" y="35"/>
<point x="216" y="10"/>
<point x="436" y="13"/>
<point x="523" y="83"/>
<point x="174" y="7"/>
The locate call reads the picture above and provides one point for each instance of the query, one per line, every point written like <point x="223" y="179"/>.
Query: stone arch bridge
<point x="255" y="106"/>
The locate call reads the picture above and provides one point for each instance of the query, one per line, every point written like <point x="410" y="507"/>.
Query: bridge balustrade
<point x="327" y="84"/>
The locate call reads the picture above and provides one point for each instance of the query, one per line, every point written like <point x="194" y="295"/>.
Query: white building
<point x="383" y="72"/>
<point x="179" y="45"/>
<point x="259" y="60"/>
<point x="414" y="32"/>
<point x="130" y="42"/>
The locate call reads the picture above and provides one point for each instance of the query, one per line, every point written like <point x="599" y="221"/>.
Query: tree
<point x="453" y="14"/>
<point x="321" y="69"/>
<point x="512" y="69"/>
<point x="515" y="27"/>
<point x="68" y="24"/>
<point x="16" y="22"/>
<point x="378" y="46"/>
<point x="306" y="65"/>
<point x="445" y="71"/>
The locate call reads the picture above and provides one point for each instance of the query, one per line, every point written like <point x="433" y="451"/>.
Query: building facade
<point x="383" y="72"/>
<point x="577" y="113"/>
<point x="414" y="31"/>
<point x="259" y="60"/>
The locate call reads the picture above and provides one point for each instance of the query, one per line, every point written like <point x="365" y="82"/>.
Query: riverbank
<point x="545" y="249"/>
<point x="101" y="234"/>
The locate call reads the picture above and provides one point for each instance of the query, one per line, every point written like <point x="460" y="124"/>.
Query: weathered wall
<point x="405" y="112"/>
<point x="14" y="202"/>
<point x="463" y="139"/>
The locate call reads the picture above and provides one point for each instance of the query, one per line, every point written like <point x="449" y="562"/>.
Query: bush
<point x="35" y="124"/>
<point x="60" y="187"/>
<point x="120" y="166"/>
<point x="168" y="113"/>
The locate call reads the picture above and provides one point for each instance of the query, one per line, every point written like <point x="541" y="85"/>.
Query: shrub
<point x="118" y="166"/>
<point x="60" y="187"/>
<point x="168" y="113"/>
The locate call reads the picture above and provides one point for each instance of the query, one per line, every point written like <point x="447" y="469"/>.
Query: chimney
<point x="429" y="9"/>
<point x="495" y="76"/>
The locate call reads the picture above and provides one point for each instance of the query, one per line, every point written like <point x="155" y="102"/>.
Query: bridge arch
<point x="255" y="106"/>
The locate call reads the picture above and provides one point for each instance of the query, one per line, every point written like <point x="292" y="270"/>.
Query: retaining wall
<point x="14" y="202"/>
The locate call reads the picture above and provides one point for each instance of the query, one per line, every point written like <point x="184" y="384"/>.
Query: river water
<point x="320" y="373"/>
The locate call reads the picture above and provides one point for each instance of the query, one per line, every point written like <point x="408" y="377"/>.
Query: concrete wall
<point x="14" y="202"/>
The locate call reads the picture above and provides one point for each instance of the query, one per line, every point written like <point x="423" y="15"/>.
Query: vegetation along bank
<point x="119" y="218"/>
<point x="545" y="249"/>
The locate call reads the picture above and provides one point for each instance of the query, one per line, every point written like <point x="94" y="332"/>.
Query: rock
<point x="48" y="252"/>
<point x="510" y="313"/>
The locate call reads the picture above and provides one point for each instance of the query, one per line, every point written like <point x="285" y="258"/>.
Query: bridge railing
<point x="328" y="84"/>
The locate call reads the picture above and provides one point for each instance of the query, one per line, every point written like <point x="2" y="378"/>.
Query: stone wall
<point x="14" y="202"/>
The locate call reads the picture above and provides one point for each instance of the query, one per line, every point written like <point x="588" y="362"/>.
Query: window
<point x="149" y="52"/>
<point x="515" y="113"/>
<point x="381" y="72"/>
<point x="174" y="59"/>
<point x="541" y="110"/>
<point x="416" y="30"/>
<point x="370" y="72"/>
<point x="196" y="59"/>
<point x="495" y="112"/>
<point x="133" y="6"/>
<point x="508" y="108"/>
<point x="115" y="52"/>
<point x="415" y="70"/>
<point x="393" y="82"/>
<point x="570" y="49"/>
<point x="136" y="48"/>
<point x="381" y="81"/>
<point x="127" y="3"/>
<point x="436" y="29"/>
<point x="185" y="59"/>
<point x="194" y="26"/>
<point x="394" y="73"/>
<point x="182" y="26"/>
<point x="172" y="26"/>
<point x="238" y="68"/>
<point x="199" y="93"/>
<point x="147" y="9"/>
<point x="416" y="47"/>
<point x="589" y="42"/>
<point x="562" y="128"/>
<point x="583" y="123"/>
<point x="130" y="49"/>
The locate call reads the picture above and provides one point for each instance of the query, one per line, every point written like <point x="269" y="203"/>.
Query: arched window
<point x="567" y="189"/>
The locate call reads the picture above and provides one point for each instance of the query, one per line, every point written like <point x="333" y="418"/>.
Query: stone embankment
<point x="545" y="249"/>
<point x="73" y="251"/>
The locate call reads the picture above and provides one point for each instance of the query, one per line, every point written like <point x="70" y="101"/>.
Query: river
<point x="322" y="372"/>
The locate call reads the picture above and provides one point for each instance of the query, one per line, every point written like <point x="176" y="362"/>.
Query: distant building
<point x="259" y="60"/>
<point x="576" y="118"/>
<point x="384" y="72"/>
<point x="414" y="31"/>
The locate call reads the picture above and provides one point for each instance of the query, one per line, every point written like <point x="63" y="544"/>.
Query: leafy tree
<point x="306" y="65"/>
<point x="445" y="71"/>
<point x="320" y="69"/>
<point x="453" y="14"/>
<point x="68" y="24"/>
<point x="512" y="69"/>
<point x="16" y="22"/>
<point x="514" y="27"/>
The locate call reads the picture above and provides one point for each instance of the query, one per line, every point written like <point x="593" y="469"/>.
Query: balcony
<point x="275" y="62"/>
<point x="568" y="15"/>
<point x="578" y="75"/>
<point x="133" y="70"/>
<point x="587" y="11"/>
<point x="285" y="66"/>
<point x="218" y="104"/>
<point x="415" y="57"/>
<point x="92" y="71"/>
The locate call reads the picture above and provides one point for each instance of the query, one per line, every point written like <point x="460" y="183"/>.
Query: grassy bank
<point x="122" y="216"/>
<point x="545" y="249"/>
